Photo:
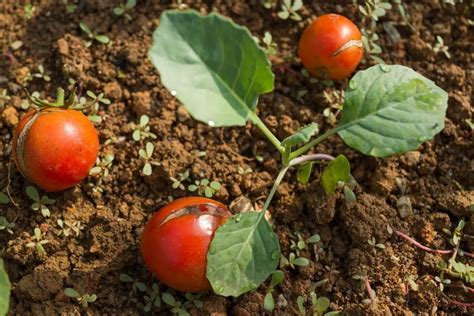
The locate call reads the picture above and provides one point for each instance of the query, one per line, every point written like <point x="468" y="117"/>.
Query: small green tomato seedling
<point x="93" y="36"/>
<point x="388" y="110"/>
<point x="38" y="242"/>
<point x="84" y="299"/>
<point x="40" y="203"/>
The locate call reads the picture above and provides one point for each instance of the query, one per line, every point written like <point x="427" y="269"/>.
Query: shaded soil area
<point x="422" y="193"/>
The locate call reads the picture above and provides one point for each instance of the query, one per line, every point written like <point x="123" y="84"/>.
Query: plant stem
<point x="313" y="143"/>
<point x="272" y="138"/>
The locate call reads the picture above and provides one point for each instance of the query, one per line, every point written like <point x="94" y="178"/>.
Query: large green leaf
<point x="242" y="254"/>
<point x="390" y="110"/>
<point x="5" y="287"/>
<point x="213" y="66"/>
<point x="337" y="170"/>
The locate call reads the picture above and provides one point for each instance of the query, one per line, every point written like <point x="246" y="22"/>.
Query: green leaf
<point x="32" y="193"/>
<point x="5" y="287"/>
<point x="125" y="278"/>
<point x="215" y="185"/>
<point x="390" y="110"/>
<point x="269" y="302"/>
<point x="4" y="199"/>
<point x="303" y="135"/>
<point x="102" y="39"/>
<point x="85" y="28"/>
<point x="118" y="11"/>
<point x="337" y="170"/>
<point x="70" y="292"/>
<point x="304" y="172"/>
<point x="314" y="239"/>
<point x="243" y="253"/>
<point x="277" y="278"/>
<point x="322" y="304"/>
<point x="147" y="170"/>
<point x="168" y="299"/>
<point x="217" y="79"/>
<point x="301" y="262"/>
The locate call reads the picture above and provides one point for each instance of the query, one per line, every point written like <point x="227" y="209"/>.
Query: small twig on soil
<point x="453" y="302"/>
<point x="425" y="248"/>
<point x="8" y="186"/>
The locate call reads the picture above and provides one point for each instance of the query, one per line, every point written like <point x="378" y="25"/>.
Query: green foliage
<point x="219" y="81"/>
<point x="270" y="46"/>
<point x="84" y="299"/>
<point x="289" y="9"/>
<point x="194" y="299"/>
<point x="66" y="227"/>
<point x="176" y="306"/>
<point x="40" y="204"/>
<point x="29" y="10"/>
<point x="243" y="253"/>
<point x="101" y="171"/>
<point x="293" y="261"/>
<point x="338" y="170"/>
<point x="152" y="298"/>
<point x="375" y="245"/>
<point x="302" y="135"/>
<point x="142" y="131"/>
<point x="5" y="288"/>
<point x="70" y="6"/>
<point x="6" y="225"/>
<point x="94" y="103"/>
<point x="146" y="155"/>
<point x="178" y="183"/>
<point x="440" y="47"/>
<point x="300" y="243"/>
<point x="136" y="285"/>
<point x="269" y="301"/>
<point x="38" y="242"/>
<point x="390" y="110"/>
<point x="41" y="74"/>
<point x="304" y="172"/>
<point x="93" y="36"/>
<point x="4" y="199"/>
<point x="205" y="187"/>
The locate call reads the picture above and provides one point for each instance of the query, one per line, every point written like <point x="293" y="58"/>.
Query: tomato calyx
<point x="61" y="101"/>
<point x="347" y="45"/>
<point x="198" y="210"/>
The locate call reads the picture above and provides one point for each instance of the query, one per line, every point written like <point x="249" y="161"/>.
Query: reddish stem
<point x="368" y="288"/>
<point x="468" y="305"/>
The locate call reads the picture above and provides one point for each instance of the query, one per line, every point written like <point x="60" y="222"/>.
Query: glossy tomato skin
<point x="176" y="240"/>
<point x="55" y="148"/>
<point x="321" y="47"/>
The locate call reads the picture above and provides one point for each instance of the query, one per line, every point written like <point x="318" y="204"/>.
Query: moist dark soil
<point x="422" y="193"/>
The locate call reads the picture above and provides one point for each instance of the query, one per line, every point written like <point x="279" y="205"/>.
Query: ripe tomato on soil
<point x="55" y="148"/>
<point x="331" y="47"/>
<point x="176" y="240"/>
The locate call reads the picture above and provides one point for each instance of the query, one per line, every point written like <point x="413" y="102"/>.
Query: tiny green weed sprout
<point x="178" y="182"/>
<point x="375" y="245"/>
<point x="152" y="298"/>
<point x="70" y="6"/>
<point x="40" y="203"/>
<point x="84" y="299"/>
<point x="146" y="155"/>
<point x="320" y="304"/>
<point x="136" y="285"/>
<point x="293" y="261"/>
<point x="300" y="300"/>
<point x="301" y="243"/>
<point x="38" y="242"/>
<point x="142" y="131"/>
<point x="268" y="4"/>
<point x="66" y="227"/>
<point x="25" y="103"/>
<point x="94" y="105"/>
<point x="41" y="74"/>
<point x="103" y="39"/>
<point x="374" y="9"/>
<point x="269" y="301"/>
<point x="205" y="187"/>
<point x="123" y="8"/>
<point x="177" y="307"/>
<point x="29" y="10"/>
<point x="102" y="166"/>
<point x="4" y="199"/>
<point x="289" y="9"/>
<point x="270" y="46"/>
<point x="6" y="225"/>
<point x="440" y="47"/>
<point x="194" y="299"/>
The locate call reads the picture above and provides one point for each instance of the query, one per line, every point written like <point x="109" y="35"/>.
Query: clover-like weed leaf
<point x="336" y="171"/>
<point x="5" y="287"/>
<point x="243" y="253"/>
<point x="390" y="110"/>
<point x="213" y="66"/>
<point x="301" y="136"/>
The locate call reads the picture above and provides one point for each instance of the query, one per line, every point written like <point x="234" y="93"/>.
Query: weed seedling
<point x="102" y="166"/>
<point x="38" y="242"/>
<point x="269" y="301"/>
<point x="194" y="299"/>
<point x="40" y="204"/>
<point x="268" y="4"/>
<point x="440" y="47"/>
<point x="375" y="245"/>
<point x="84" y="299"/>
<point x="146" y="155"/>
<point x="41" y="74"/>
<point x="176" y="306"/>
<point x="67" y="226"/>
<point x="300" y="300"/>
<point x="289" y="9"/>
<point x="94" y="105"/>
<point x="93" y="36"/>
<point x="152" y="298"/>
<point x="29" y="10"/>
<point x="70" y="6"/>
<point x="178" y="183"/>
<point x="4" y="199"/>
<point x="300" y="243"/>
<point x="270" y="46"/>
<point x="142" y="131"/>
<point x="123" y="9"/>
<point x="136" y="285"/>
<point x="6" y="225"/>
<point x="293" y="261"/>
<point x="205" y="187"/>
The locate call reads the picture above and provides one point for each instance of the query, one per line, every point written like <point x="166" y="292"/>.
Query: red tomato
<point x="55" y="148"/>
<point x="176" y="240"/>
<point x="331" y="47"/>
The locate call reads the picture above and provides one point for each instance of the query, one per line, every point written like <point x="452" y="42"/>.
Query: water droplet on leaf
<point x="352" y="85"/>
<point x="211" y="123"/>
<point x="385" y="68"/>
<point x="238" y="217"/>
<point x="173" y="92"/>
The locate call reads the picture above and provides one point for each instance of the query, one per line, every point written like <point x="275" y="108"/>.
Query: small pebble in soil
<point x="404" y="207"/>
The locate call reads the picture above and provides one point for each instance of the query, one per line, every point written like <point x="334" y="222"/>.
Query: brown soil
<point x="438" y="179"/>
